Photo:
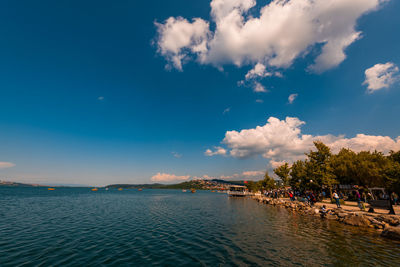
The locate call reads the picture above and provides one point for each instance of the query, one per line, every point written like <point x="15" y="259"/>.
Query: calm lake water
<point x="78" y="227"/>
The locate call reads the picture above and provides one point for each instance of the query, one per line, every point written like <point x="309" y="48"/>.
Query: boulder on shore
<point x="391" y="232"/>
<point x="356" y="220"/>
<point x="393" y="220"/>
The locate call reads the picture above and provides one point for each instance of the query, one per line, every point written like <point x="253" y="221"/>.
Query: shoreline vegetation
<point x="323" y="171"/>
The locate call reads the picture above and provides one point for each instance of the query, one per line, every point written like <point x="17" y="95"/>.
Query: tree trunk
<point x="391" y="210"/>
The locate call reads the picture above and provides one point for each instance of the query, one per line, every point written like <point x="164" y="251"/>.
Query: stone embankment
<point x="388" y="225"/>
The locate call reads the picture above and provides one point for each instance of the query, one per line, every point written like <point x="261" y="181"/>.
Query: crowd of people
<point x="360" y="195"/>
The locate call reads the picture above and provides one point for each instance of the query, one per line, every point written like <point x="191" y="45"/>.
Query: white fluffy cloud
<point x="253" y="173"/>
<point x="259" y="88"/>
<point x="283" y="31"/>
<point x="4" y="165"/>
<point x="178" y="37"/>
<point x="259" y="70"/>
<point x="381" y="76"/>
<point x="165" y="177"/>
<point x="282" y="140"/>
<point x="244" y="175"/>
<point x="292" y="97"/>
<point x="217" y="151"/>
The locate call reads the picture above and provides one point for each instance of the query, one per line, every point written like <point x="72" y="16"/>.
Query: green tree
<point x="268" y="183"/>
<point x="297" y="174"/>
<point x="283" y="173"/>
<point x="344" y="166"/>
<point x="252" y="186"/>
<point x="394" y="156"/>
<point x="370" y="169"/>
<point x="318" y="168"/>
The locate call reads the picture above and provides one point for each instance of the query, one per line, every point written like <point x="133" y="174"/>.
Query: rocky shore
<point x="387" y="225"/>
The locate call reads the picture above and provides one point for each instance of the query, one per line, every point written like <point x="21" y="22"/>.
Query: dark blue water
<point x="78" y="227"/>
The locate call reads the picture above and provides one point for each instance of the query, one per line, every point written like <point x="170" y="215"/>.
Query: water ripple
<point x="75" y="227"/>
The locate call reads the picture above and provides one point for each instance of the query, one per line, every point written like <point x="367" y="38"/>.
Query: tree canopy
<point x="323" y="169"/>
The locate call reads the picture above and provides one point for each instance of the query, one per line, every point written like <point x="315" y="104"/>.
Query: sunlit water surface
<point x="78" y="227"/>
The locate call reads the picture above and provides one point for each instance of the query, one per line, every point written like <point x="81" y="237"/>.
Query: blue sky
<point x="86" y="97"/>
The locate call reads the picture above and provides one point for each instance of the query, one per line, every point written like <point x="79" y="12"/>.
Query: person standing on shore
<point x="337" y="199"/>
<point x="313" y="199"/>
<point x="395" y="198"/>
<point x="364" y="196"/>
<point x="291" y="196"/>
<point x="358" y="197"/>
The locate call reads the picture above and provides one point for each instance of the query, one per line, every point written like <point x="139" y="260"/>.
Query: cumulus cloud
<point x="217" y="151"/>
<point x="381" y="76"/>
<point x="282" y="141"/>
<point x="292" y="97"/>
<point x="4" y="165"/>
<point x="253" y="173"/>
<point x="178" y="38"/>
<point x="283" y="31"/>
<point x="253" y="77"/>
<point x="165" y="177"/>
<point x="244" y="175"/>
<point x="259" y="70"/>
<point x="259" y="88"/>
<point x="204" y="177"/>
<point x="276" y="164"/>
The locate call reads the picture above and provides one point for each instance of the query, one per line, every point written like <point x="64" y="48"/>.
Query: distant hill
<point x="229" y="182"/>
<point x="196" y="184"/>
<point x="184" y="185"/>
<point x="7" y="183"/>
<point x="136" y="186"/>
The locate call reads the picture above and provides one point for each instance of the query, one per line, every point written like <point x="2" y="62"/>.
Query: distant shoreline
<point x="214" y="184"/>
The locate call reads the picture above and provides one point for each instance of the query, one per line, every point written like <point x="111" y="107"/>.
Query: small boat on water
<point x="140" y="189"/>
<point x="95" y="189"/>
<point x="193" y="190"/>
<point x="183" y="190"/>
<point x="237" y="191"/>
<point x="119" y="189"/>
<point x="106" y="188"/>
<point x="51" y="189"/>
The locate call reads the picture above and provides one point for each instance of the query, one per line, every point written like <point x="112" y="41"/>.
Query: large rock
<point x="331" y="216"/>
<point x="342" y="214"/>
<point x="393" y="220"/>
<point x="356" y="220"/>
<point x="376" y="224"/>
<point x="391" y="232"/>
<point x="337" y="210"/>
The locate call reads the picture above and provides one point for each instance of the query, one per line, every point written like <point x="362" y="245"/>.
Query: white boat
<point x="237" y="191"/>
<point x="183" y="190"/>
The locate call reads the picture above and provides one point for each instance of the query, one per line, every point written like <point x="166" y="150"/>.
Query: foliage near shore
<point x="322" y="168"/>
